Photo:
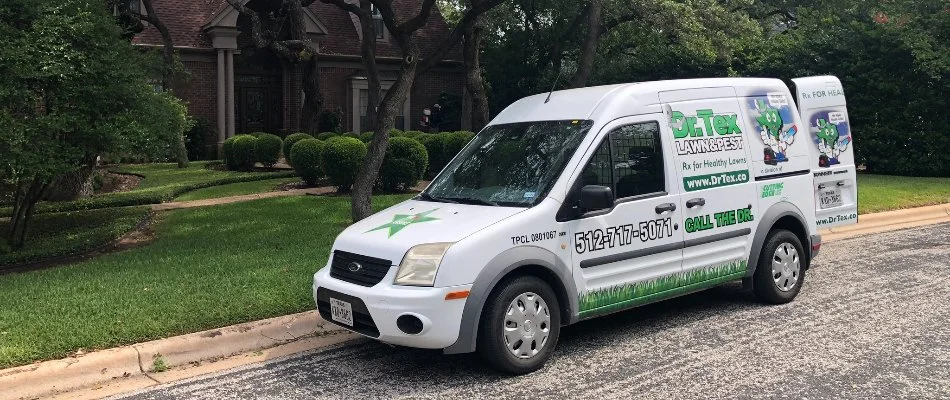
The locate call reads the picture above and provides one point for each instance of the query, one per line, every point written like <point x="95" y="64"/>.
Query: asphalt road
<point x="872" y="321"/>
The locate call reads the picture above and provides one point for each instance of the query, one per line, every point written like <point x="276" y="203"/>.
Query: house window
<point x="378" y="24"/>
<point x="364" y="120"/>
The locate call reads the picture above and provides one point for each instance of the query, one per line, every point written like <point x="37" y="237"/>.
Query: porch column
<point x="230" y="89"/>
<point x="221" y="101"/>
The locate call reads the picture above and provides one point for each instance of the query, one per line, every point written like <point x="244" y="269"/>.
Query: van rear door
<point x="821" y="103"/>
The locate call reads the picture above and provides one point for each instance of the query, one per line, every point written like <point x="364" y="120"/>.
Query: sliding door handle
<point x="665" y="207"/>
<point x="697" y="202"/>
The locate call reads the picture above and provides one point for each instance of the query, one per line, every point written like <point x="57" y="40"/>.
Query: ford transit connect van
<point x="590" y="201"/>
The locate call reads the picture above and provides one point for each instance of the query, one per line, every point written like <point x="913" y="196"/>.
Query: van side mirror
<point x="596" y="197"/>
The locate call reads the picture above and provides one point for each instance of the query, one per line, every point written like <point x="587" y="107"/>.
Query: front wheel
<point x="781" y="270"/>
<point x="519" y="326"/>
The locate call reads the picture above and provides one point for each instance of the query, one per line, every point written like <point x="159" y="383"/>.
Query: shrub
<point x="289" y="143"/>
<point x="413" y="134"/>
<point x="366" y="137"/>
<point x="305" y="156"/>
<point x="435" y="148"/>
<point x="267" y="149"/>
<point x="327" y="135"/>
<point x="455" y="141"/>
<point x="405" y="163"/>
<point x="4" y="247"/>
<point x="227" y="153"/>
<point x="256" y="134"/>
<point x="396" y="133"/>
<point x="341" y="160"/>
<point x="242" y="153"/>
<point x="330" y="121"/>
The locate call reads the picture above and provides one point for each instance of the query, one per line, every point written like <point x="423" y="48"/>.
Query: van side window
<point x="637" y="159"/>
<point x="630" y="161"/>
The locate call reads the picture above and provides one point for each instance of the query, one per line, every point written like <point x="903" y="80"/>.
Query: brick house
<point x="239" y="89"/>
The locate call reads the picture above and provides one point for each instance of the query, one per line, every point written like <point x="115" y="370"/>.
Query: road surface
<point x="872" y="321"/>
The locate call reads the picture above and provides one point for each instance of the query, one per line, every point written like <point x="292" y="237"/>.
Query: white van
<point x="589" y="201"/>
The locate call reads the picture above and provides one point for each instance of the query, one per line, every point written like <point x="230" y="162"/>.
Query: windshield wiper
<point x="429" y="197"/>
<point x="471" y="200"/>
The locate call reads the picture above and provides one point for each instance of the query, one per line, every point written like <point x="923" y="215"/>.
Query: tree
<point x="71" y="89"/>
<point x="279" y="26"/>
<point x="414" y="64"/>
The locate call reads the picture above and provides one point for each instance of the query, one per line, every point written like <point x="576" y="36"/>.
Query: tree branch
<point x="455" y="36"/>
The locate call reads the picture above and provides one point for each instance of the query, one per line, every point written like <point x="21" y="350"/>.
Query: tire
<point x="780" y="273"/>
<point x="499" y="333"/>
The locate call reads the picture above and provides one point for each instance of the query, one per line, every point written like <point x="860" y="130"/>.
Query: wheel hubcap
<point x="786" y="267"/>
<point x="527" y="325"/>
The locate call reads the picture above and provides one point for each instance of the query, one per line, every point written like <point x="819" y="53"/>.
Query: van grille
<point x="371" y="270"/>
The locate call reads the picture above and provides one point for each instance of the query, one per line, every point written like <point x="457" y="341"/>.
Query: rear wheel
<point x="520" y="326"/>
<point x="781" y="269"/>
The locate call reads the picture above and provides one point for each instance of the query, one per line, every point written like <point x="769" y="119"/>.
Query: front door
<point x="629" y="254"/>
<point x="259" y="105"/>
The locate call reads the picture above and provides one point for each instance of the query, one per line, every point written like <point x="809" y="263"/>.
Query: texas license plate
<point x="830" y="198"/>
<point x="341" y="311"/>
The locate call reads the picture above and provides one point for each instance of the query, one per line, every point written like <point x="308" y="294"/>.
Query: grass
<point x="162" y="182"/>
<point x="614" y="298"/>
<point x="52" y="235"/>
<point x="878" y="193"/>
<point x="207" y="267"/>
<point x="235" y="189"/>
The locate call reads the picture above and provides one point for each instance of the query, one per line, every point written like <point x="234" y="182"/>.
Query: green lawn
<point x="208" y="267"/>
<point x="59" y="234"/>
<point x="878" y="193"/>
<point x="162" y="182"/>
<point x="235" y="189"/>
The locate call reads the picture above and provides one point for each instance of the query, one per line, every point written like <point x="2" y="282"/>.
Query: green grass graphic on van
<point x="614" y="298"/>
<point x="700" y="182"/>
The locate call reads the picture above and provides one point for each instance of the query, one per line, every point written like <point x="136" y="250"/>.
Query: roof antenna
<point x="554" y="86"/>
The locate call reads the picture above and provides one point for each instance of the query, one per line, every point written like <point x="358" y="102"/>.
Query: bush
<point x="396" y="133"/>
<point x="257" y="134"/>
<point x="405" y="163"/>
<point x="330" y="121"/>
<point x="267" y="149"/>
<point x="455" y="141"/>
<point x="289" y="143"/>
<point x="242" y="153"/>
<point x="196" y="136"/>
<point x="305" y="156"/>
<point x="435" y="148"/>
<point x="327" y="135"/>
<point x="4" y="247"/>
<point x="413" y="134"/>
<point x="341" y="161"/>
<point x="227" y="153"/>
<point x="366" y="137"/>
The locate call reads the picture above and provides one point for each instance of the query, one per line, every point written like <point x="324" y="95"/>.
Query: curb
<point x="103" y="367"/>
<point x="125" y="364"/>
<point x="889" y="221"/>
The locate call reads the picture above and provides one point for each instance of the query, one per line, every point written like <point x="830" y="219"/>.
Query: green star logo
<point x="402" y="220"/>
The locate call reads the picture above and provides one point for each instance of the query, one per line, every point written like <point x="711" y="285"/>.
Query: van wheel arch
<point x="782" y="215"/>
<point x="548" y="277"/>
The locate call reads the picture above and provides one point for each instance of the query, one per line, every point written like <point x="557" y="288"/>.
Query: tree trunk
<point x="313" y="98"/>
<point x="473" y="72"/>
<point x="74" y="184"/>
<point x="28" y="194"/>
<point x="168" y="72"/>
<point x="369" y="62"/>
<point x="361" y="200"/>
<point x="585" y="65"/>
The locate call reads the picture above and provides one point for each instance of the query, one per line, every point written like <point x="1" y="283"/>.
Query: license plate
<point x="830" y="198"/>
<point x="341" y="311"/>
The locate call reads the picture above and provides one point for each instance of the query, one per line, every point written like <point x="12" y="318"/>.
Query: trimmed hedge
<point x="366" y="137"/>
<point x="227" y="153"/>
<point x="242" y="155"/>
<point x="455" y="141"/>
<point x="327" y="135"/>
<point x="267" y="149"/>
<point x="405" y="163"/>
<point x="306" y="155"/>
<point x="289" y="142"/>
<point x="341" y="161"/>
<point x="435" y="148"/>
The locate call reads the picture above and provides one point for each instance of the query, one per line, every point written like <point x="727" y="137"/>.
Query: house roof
<point x="186" y="21"/>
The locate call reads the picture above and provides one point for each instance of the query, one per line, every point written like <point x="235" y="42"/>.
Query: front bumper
<point x="376" y="309"/>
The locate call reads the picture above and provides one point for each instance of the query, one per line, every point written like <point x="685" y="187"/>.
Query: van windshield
<point x="509" y="164"/>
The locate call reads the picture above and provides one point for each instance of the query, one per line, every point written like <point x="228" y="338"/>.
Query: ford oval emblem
<point x="354" y="267"/>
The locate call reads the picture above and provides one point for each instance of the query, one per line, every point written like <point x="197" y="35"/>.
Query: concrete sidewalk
<point x="113" y="371"/>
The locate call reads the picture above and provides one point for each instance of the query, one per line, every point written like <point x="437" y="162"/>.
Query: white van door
<point x="718" y="197"/>
<point x="629" y="254"/>
<point x="821" y="102"/>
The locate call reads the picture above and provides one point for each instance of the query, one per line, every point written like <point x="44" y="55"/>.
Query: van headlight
<point x="419" y="265"/>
